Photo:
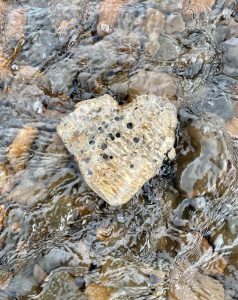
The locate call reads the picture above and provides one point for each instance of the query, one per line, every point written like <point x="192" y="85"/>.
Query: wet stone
<point x="149" y="82"/>
<point x="3" y="176"/>
<point x="98" y="292"/>
<point x="170" y="5"/>
<point x="144" y="145"/>
<point x="232" y="127"/>
<point x="174" y="23"/>
<point x="2" y="216"/>
<point x="206" y="160"/>
<point x="211" y="98"/>
<point x="202" y="288"/>
<point x="196" y="7"/>
<point x="154" y="23"/>
<point x="18" y="153"/>
<point x="168" y="49"/>
<point x="108" y="16"/>
<point x="231" y="57"/>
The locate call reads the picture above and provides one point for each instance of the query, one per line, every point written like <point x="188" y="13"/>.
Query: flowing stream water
<point x="177" y="238"/>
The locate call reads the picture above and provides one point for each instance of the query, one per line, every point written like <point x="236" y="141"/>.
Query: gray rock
<point x="168" y="49"/>
<point x="174" y="23"/>
<point x="231" y="57"/>
<point x="211" y="98"/>
<point x="119" y="148"/>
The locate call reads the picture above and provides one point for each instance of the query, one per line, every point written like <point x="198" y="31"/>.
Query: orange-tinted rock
<point x="3" y="176"/>
<point x="5" y="278"/>
<point x="191" y="7"/>
<point x="216" y="264"/>
<point x="16" y="227"/>
<point x="4" y="66"/>
<point x="98" y="292"/>
<point x="12" y="22"/>
<point x="2" y="215"/>
<point x="108" y="15"/>
<point x="18" y="153"/>
<point x="232" y="127"/>
<point x="201" y="287"/>
<point x="103" y="233"/>
<point x="16" y="20"/>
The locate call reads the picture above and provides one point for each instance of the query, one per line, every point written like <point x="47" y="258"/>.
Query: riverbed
<point x="176" y="239"/>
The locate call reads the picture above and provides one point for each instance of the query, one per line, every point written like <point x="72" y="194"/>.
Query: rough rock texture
<point x="108" y="15"/>
<point x="174" y="23"/>
<point x="119" y="148"/>
<point x="98" y="292"/>
<point x="203" y="288"/>
<point x="191" y="7"/>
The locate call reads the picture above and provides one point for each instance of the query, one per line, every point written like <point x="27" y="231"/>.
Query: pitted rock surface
<point x="120" y="147"/>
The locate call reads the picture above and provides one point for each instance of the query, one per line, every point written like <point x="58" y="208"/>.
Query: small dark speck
<point x="91" y="142"/>
<point x="111" y="136"/>
<point x="136" y="140"/>
<point x="90" y="173"/>
<point x="100" y="128"/>
<point x="104" y="146"/>
<point x="131" y="166"/>
<point x="129" y="125"/>
<point x="1" y="85"/>
<point x="118" y="134"/>
<point x="105" y="156"/>
<point x="117" y="119"/>
<point x="92" y="267"/>
<point x="111" y="157"/>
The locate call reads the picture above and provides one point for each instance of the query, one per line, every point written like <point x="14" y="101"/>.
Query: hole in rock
<point x="136" y="140"/>
<point x="129" y="125"/>
<point x="103" y="146"/>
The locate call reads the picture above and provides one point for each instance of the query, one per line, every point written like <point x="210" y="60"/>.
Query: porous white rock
<point x="119" y="147"/>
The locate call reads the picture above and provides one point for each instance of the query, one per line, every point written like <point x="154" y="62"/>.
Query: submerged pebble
<point x="206" y="161"/>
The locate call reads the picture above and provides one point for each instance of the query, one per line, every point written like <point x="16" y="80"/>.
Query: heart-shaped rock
<point x="119" y="147"/>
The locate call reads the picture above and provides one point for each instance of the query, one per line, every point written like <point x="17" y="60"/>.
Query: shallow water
<point x="58" y="239"/>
